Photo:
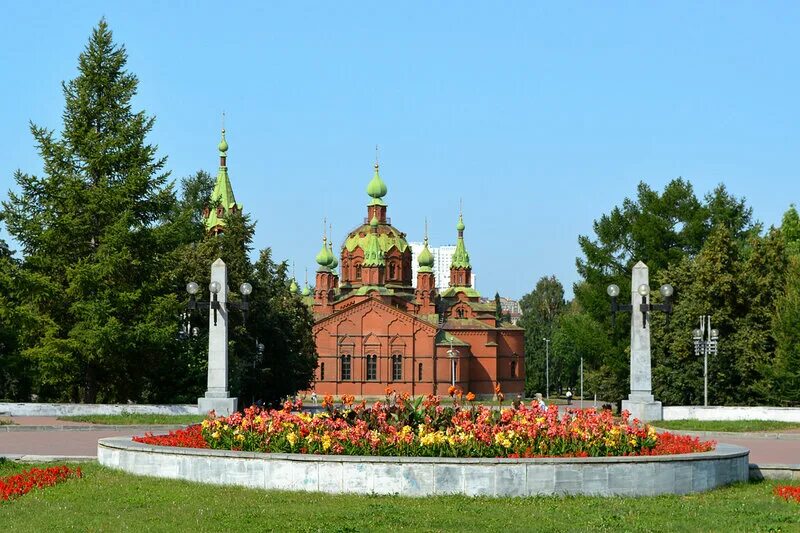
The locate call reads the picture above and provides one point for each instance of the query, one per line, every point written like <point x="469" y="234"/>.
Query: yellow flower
<point x="326" y="442"/>
<point x="206" y="423"/>
<point x="239" y="437"/>
<point x="215" y="435"/>
<point x="292" y="438"/>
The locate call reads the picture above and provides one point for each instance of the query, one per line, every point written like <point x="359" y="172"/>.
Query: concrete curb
<point x="771" y="435"/>
<point x="426" y="476"/>
<point x="94" y="427"/>
<point x="774" y="471"/>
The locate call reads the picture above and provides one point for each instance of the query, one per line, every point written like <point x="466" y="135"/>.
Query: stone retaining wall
<point x="692" y="412"/>
<point x="82" y="409"/>
<point x="425" y="476"/>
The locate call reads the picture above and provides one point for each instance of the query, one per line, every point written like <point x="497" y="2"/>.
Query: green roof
<point x="460" y="256"/>
<point x="444" y="338"/>
<point x="366" y="289"/>
<point x="451" y="292"/>
<point x="388" y="237"/>
<point x="222" y="195"/>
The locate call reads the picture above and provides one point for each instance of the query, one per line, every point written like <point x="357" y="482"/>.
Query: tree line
<point x="93" y="309"/>
<point x="721" y="263"/>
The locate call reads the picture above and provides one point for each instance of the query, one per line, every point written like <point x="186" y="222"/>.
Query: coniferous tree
<point x="90" y="235"/>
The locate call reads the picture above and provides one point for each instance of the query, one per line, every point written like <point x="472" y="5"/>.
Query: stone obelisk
<point x="640" y="402"/>
<point x="217" y="396"/>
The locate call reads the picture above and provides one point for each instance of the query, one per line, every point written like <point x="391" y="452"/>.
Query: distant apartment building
<point x="509" y="307"/>
<point x="442" y="259"/>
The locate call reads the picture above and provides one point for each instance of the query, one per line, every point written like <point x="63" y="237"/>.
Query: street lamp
<point x="666" y="292"/>
<point x="547" y="365"/>
<point x="705" y="342"/>
<point x="245" y="289"/>
<point x="452" y="353"/>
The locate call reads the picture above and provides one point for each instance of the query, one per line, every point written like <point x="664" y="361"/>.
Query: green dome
<point x="374" y="222"/>
<point x="293" y="287"/>
<point x="322" y="257"/>
<point x="460" y="255"/>
<point x="376" y="187"/>
<point x="306" y="290"/>
<point x="425" y="259"/>
<point x="388" y="237"/>
<point x="333" y="261"/>
<point x="460" y="226"/>
<point x="223" y="144"/>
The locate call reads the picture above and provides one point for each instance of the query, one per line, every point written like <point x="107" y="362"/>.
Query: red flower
<point x="22" y="483"/>
<point x="788" y="492"/>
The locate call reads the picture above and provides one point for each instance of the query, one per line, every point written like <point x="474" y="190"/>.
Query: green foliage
<point x="540" y="311"/>
<point x="668" y="231"/>
<point x="91" y="236"/>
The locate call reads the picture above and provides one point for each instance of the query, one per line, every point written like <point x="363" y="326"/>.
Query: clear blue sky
<point x="542" y="116"/>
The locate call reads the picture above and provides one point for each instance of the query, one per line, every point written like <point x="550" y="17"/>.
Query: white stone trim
<point x="426" y="476"/>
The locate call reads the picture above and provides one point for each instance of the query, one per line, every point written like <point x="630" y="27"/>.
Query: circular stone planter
<point x="426" y="476"/>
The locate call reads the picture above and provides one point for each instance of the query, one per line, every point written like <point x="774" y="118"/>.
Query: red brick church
<point x="373" y="329"/>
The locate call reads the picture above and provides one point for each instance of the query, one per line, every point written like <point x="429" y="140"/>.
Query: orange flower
<point x="327" y="401"/>
<point x="470" y="397"/>
<point x="497" y="389"/>
<point x="389" y="391"/>
<point x="451" y="390"/>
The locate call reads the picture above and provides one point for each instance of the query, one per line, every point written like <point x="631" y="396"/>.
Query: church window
<point x="397" y="367"/>
<point x="346" y="370"/>
<point x="358" y="271"/>
<point x="460" y="312"/>
<point x="392" y="270"/>
<point x="513" y="369"/>
<point x="322" y="371"/>
<point x="419" y="372"/>
<point x="372" y="367"/>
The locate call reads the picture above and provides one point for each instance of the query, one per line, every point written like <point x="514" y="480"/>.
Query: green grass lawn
<point x="135" y="419"/>
<point x="726" y="425"/>
<point x="106" y="500"/>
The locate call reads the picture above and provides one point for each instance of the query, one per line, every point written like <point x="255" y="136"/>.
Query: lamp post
<point x="217" y="396"/>
<point x="547" y="366"/>
<point x="452" y="353"/>
<point x="641" y="403"/>
<point x="705" y="342"/>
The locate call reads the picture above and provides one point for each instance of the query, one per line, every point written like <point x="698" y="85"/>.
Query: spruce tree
<point x="92" y="237"/>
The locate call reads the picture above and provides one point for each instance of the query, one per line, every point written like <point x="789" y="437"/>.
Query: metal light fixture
<point x="643" y="290"/>
<point x="705" y="342"/>
<point x="245" y="289"/>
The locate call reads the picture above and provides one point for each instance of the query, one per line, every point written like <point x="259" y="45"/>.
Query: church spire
<point x="223" y="201"/>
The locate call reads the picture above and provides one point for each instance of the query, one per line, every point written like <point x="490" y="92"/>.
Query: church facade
<point x="374" y="330"/>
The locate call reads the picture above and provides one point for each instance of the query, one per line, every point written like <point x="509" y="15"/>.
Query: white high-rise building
<point x="442" y="258"/>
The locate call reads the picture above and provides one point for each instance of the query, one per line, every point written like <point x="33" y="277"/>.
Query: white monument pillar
<point x="640" y="402"/>
<point x="217" y="396"/>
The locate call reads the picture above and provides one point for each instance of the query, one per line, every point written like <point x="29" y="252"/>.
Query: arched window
<point x="322" y="371"/>
<point x="419" y="371"/>
<point x="358" y="271"/>
<point x="513" y="369"/>
<point x="346" y="370"/>
<point x="392" y="270"/>
<point x="372" y="367"/>
<point x="460" y="312"/>
<point x="397" y="367"/>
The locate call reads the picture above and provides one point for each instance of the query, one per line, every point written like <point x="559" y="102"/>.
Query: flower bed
<point x="788" y="492"/>
<point x="22" y="483"/>
<point x="424" y="428"/>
